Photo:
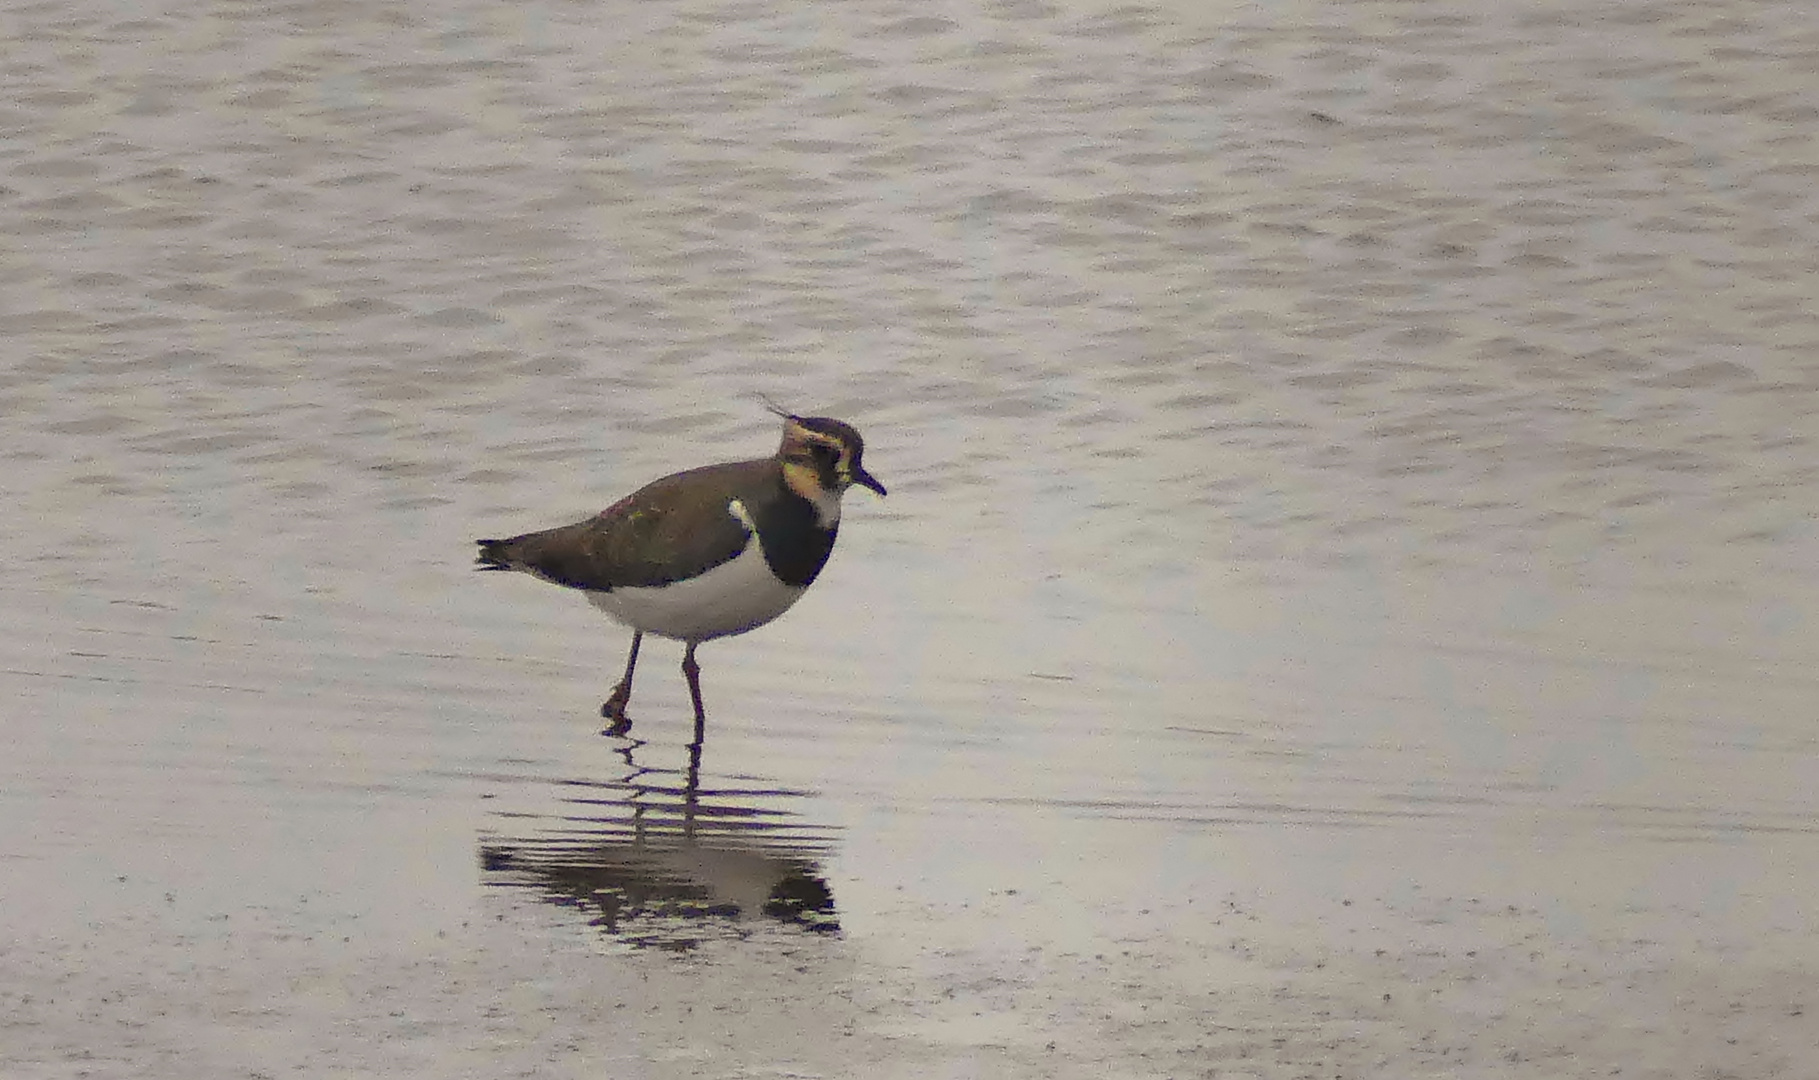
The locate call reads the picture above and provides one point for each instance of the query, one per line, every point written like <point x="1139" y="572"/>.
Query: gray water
<point x="1344" y="607"/>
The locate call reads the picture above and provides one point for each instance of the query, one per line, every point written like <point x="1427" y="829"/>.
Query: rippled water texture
<point x="1345" y="604"/>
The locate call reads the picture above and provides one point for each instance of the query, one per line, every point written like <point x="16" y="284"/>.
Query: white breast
<point x="731" y="598"/>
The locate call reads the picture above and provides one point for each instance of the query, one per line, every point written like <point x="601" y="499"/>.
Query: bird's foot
<point x="613" y="711"/>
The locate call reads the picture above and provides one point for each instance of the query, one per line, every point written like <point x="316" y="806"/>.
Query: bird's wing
<point x="671" y="529"/>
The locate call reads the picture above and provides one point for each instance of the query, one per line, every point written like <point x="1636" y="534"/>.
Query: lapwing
<point x="706" y="553"/>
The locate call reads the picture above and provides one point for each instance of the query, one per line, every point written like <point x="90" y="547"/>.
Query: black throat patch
<point x="795" y="544"/>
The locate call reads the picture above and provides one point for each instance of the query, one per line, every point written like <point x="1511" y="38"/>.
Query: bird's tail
<point x="494" y="556"/>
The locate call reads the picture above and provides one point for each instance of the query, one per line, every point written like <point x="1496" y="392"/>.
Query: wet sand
<point x="1344" y="606"/>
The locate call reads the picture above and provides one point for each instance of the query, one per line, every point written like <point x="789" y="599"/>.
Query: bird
<point x="705" y="553"/>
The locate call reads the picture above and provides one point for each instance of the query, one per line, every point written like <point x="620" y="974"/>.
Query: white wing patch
<point x="742" y="516"/>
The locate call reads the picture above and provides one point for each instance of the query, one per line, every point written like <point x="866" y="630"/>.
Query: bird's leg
<point x="692" y="671"/>
<point x="614" y="709"/>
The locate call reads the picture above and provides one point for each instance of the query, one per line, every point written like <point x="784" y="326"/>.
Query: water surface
<point x="1344" y="603"/>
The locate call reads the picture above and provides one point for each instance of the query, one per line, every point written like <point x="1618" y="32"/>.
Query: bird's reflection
<point x="660" y="861"/>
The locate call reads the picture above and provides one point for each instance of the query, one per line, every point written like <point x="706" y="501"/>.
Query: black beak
<point x="865" y="479"/>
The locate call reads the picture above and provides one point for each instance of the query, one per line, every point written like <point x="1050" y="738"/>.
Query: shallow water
<point x="1344" y="603"/>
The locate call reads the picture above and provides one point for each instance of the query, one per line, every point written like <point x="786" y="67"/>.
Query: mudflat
<point x="1344" y="608"/>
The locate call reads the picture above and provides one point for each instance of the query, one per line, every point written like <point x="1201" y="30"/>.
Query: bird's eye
<point x="827" y="452"/>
